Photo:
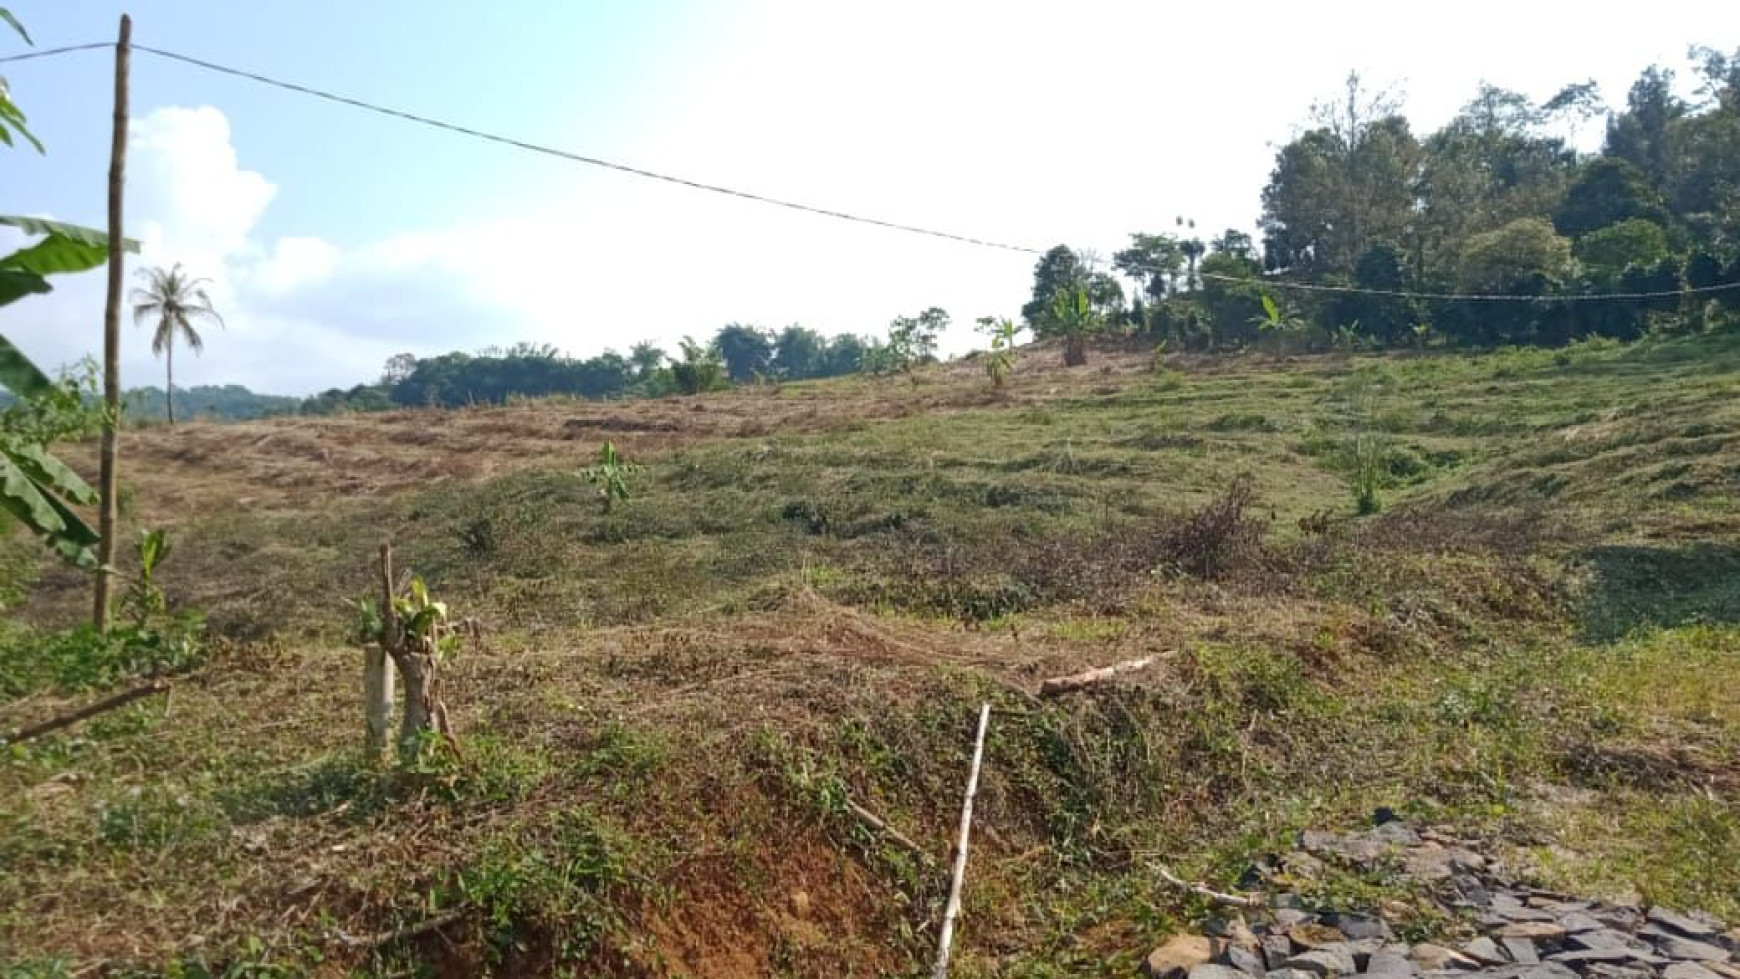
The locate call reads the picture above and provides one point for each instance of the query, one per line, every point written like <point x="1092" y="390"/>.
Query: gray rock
<point x="1622" y="918"/>
<point x="1358" y="926"/>
<point x="1357" y="849"/>
<point x="1607" y="955"/>
<point x="1391" y="961"/>
<point x="1520" y="913"/>
<point x="1614" y="970"/>
<point x="1549" y="970"/>
<point x="1247" y="960"/>
<point x="1605" y="938"/>
<point x="1691" y="925"/>
<point x="1437" y="958"/>
<point x="1685" y="948"/>
<point x="1486" y="952"/>
<point x="1330" y="960"/>
<point x="1286" y="918"/>
<point x="1546" y="931"/>
<point x="1289" y="974"/>
<point x="1315" y="934"/>
<point x="1688" y="970"/>
<point x="1277" y="949"/>
<point x="1576" y="921"/>
<point x="1395" y="832"/>
<point x="1208" y="970"/>
<point x="1521" y="951"/>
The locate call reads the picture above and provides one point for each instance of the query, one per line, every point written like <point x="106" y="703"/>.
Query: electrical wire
<point x="51" y="52"/>
<point x="558" y="153"/>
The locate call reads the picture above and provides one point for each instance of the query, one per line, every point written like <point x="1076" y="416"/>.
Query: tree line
<point x="1497" y="202"/>
<point x="736" y="354"/>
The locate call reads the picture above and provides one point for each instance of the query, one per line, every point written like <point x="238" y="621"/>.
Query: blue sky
<point x="336" y="238"/>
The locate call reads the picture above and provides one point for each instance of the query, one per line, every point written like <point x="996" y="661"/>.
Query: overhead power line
<point x="558" y="153"/>
<point x="51" y="52"/>
<point x="566" y="155"/>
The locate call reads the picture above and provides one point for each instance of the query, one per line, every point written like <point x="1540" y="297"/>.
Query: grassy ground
<point x="812" y="589"/>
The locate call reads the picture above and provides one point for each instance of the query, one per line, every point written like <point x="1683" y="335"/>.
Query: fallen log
<point x="1067" y="684"/>
<point x="121" y="699"/>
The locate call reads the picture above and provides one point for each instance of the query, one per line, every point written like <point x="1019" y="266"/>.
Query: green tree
<point x="1495" y="163"/>
<point x="1342" y="185"/>
<point x="1606" y="192"/>
<point x="1611" y="250"/>
<point x="1641" y="135"/>
<point x="1526" y="250"/>
<point x="701" y="369"/>
<point x="1155" y="261"/>
<point x="1072" y="316"/>
<point x="746" y="350"/>
<point x="646" y="358"/>
<point x="800" y="352"/>
<point x="1230" y="301"/>
<point x="176" y="301"/>
<point x="844" y="355"/>
<point x="912" y="339"/>
<point x="1058" y="271"/>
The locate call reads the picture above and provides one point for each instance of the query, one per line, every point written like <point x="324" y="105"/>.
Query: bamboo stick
<point x="953" y="910"/>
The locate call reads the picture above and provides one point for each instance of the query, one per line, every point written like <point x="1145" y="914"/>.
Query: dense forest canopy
<point x="1369" y="227"/>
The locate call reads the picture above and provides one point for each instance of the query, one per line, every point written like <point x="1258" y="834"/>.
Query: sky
<point x="336" y="238"/>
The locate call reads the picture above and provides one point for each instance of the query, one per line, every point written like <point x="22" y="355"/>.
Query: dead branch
<point x="1203" y="890"/>
<point x="67" y="720"/>
<point x="1058" y="685"/>
<point x="380" y="938"/>
<point x="880" y="825"/>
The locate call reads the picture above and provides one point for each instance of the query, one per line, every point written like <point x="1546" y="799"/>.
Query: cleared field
<point x="809" y="593"/>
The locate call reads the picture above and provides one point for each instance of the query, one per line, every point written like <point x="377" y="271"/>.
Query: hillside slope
<point x="809" y="593"/>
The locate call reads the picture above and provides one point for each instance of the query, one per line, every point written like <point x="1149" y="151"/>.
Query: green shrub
<point x="82" y="658"/>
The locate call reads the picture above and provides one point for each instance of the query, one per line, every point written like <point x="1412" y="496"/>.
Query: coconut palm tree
<point x="176" y="301"/>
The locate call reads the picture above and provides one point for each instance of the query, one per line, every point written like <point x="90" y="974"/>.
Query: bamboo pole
<point x="108" y="478"/>
<point x="953" y="910"/>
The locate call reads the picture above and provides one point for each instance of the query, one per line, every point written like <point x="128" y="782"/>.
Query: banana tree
<point x="1074" y="318"/>
<point x="37" y="489"/>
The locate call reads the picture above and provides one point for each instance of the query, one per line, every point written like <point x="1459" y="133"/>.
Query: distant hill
<point x="227" y="402"/>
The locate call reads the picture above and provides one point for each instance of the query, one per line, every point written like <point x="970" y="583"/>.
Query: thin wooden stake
<point x="108" y="477"/>
<point x="378" y="669"/>
<point x="953" y="910"/>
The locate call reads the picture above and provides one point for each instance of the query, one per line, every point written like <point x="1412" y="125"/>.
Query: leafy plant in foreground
<point x="37" y="489"/>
